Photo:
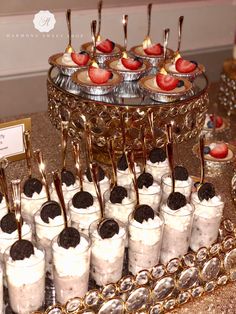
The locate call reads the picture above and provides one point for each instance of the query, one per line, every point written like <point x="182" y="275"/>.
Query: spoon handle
<point x="125" y="23"/>
<point x="99" y="18"/>
<point x="181" y="19"/>
<point x="169" y="148"/>
<point x="64" y="138"/>
<point x="166" y="38"/>
<point x="202" y="160"/>
<point x="16" y="196"/>
<point x="94" y="36"/>
<point x="58" y="187"/>
<point x="27" y="145"/>
<point x="68" y="20"/>
<point x="149" y="12"/>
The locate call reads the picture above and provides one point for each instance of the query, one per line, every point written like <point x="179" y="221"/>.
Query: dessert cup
<point x="82" y="79"/>
<point x="144" y="243"/>
<point x="150" y="196"/>
<point x="120" y="211"/>
<point x="148" y="84"/>
<point x="171" y="69"/>
<point x="107" y="255"/>
<point x="68" y="192"/>
<point x="101" y="57"/>
<point x="26" y="281"/>
<point x="7" y="239"/>
<point x="177" y="232"/>
<point x="66" y="68"/>
<point x="209" y="132"/>
<point x="206" y="222"/>
<point x="30" y="205"/>
<point x="155" y="60"/>
<point x="157" y="169"/>
<point x="128" y="75"/>
<point x="45" y="232"/>
<point x="71" y="269"/>
<point x="81" y="218"/>
<point x="184" y="187"/>
<point x="124" y="177"/>
<point x="89" y="186"/>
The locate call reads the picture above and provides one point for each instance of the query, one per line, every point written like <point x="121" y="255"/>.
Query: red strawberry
<point x="166" y="82"/>
<point x="131" y="63"/>
<point x="80" y="58"/>
<point x="185" y="66"/>
<point x="106" y="46"/>
<point x="219" y="151"/>
<point x="219" y="120"/>
<point x="98" y="75"/>
<point x="154" y="50"/>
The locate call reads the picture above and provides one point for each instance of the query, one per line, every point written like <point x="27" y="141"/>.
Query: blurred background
<point x="208" y="37"/>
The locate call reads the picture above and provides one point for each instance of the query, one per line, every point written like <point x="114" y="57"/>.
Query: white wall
<point x="207" y="24"/>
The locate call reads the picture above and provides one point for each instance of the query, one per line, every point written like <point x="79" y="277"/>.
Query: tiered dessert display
<point x="97" y="94"/>
<point x="145" y="239"/>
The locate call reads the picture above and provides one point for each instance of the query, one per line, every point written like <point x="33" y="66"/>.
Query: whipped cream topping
<point x="177" y="219"/>
<point x="25" y="229"/>
<point x="126" y="201"/>
<point x="172" y="68"/>
<point x="26" y="271"/>
<point x="51" y="229"/>
<point x="71" y="187"/>
<point x="73" y="261"/>
<point x="67" y="60"/>
<point x="126" y="171"/>
<point x="148" y="232"/>
<point x="104" y="180"/>
<point x="213" y="207"/>
<point x="111" y="248"/>
<point x="154" y="188"/>
<point x="164" y="163"/>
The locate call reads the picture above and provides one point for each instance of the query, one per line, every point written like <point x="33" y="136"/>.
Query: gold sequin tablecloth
<point x="47" y="138"/>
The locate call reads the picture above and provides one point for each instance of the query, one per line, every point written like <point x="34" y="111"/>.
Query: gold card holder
<point x="11" y="139"/>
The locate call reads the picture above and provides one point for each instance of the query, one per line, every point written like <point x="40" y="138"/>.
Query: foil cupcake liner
<point x="101" y="58"/>
<point x="93" y="89"/>
<point x="64" y="69"/>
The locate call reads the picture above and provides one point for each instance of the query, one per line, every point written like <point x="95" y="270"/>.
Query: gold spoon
<point x="58" y="186"/>
<point x="131" y="165"/>
<point x="169" y="148"/>
<point x="94" y="41"/>
<point x="16" y="196"/>
<point x="166" y="38"/>
<point x="64" y="138"/>
<point x="78" y="163"/>
<point x="113" y="162"/>
<point x="27" y="145"/>
<point x="147" y="38"/>
<point x="181" y="19"/>
<point x="202" y="160"/>
<point x="94" y="172"/>
<point x="41" y="165"/>
<point x="69" y="48"/>
<point x="99" y="20"/>
<point x="125" y="24"/>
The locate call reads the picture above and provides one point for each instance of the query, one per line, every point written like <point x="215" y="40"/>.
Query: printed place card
<point x="11" y="138"/>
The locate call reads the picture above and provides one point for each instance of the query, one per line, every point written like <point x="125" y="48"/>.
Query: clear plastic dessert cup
<point x="206" y="222"/>
<point x="144" y="243"/>
<point x="107" y="255"/>
<point x="26" y="281"/>
<point x="177" y="232"/>
<point x="71" y="269"/>
<point x="89" y="186"/>
<point x="157" y="169"/>
<point x="184" y="187"/>
<point x="45" y="232"/>
<point x="120" y="211"/>
<point x="68" y="192"/>
<point x="124" y="177"/>
<point x="81" y="218"/>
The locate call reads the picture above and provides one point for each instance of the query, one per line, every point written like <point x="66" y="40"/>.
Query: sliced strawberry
<point x="219" y="120"/>
<point x="106" y="46"/>
<point x="185" y="66"/>
<point x="219" y="151"/>
<point x="131" y="63"/>
<point x="98" y="75"/>
<point x="154" y="50"/>
<point x="166" y="82"/>
<point x="80" y="58"/>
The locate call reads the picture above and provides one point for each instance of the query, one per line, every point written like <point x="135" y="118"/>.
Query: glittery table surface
<point x="47" y="138"/>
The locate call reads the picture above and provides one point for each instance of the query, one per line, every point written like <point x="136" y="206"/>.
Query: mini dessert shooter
<point x="25" y="268"/>
<point x="105" y="48"/>
<point x="34" y="193"/>
<point x="69" y="183"/>
<point x="84" y="207"/>
<point x="178" y="216"/>
<point x="96" y="80"/>
<point x="149" y="51"/>
<point x="8" y="226"/>
<point x="48" y="219"/>
<point x="163" y="87"/>
<point x="69" y="61"/>
<point x="131" y="68"/>
<point x="148" y="189"/>
<point x="208" y="210"/>
<point x="119" y="201"/>
<point x="71" y="257"/>
<point x="145" y="233"/>
<point x="180" y="67"/>
<point x="3" y="205"/>
<point x="108" y="244"/>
